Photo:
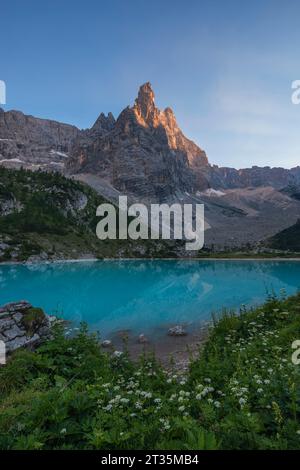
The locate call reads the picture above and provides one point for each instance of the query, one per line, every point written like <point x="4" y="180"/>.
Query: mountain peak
<point x="148" y="115"/>
<point x="146" y="94"/>
<point x="144" y="103"/>
<point x="103" y="122"/>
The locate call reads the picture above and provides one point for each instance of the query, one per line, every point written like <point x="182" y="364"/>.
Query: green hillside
<point x="288" y="239"/>
<point x="48" y="216"/>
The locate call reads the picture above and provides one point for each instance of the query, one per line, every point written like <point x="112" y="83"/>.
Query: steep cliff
<point x="143" y="153"/>
<point x="32" y="143"/>
<point x="230" y="178"/>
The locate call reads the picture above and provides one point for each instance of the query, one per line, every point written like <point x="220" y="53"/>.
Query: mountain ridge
<point x="143" y="152"/>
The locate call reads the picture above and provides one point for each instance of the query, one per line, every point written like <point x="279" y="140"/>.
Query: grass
<point x="243" y="392"/>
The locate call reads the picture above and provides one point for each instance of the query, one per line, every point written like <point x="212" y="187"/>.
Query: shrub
<point x="241" y="393"/>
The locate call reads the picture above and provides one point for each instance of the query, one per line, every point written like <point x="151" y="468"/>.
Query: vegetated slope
<point x="241" y="393"/>
<point x="288" y="239"/>
<point x="48" y="216"/>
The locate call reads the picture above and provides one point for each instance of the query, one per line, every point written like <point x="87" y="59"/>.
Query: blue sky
<point x="225" y="67"/>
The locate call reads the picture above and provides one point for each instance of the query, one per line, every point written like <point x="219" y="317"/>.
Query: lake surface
<point x="145" y="296"/>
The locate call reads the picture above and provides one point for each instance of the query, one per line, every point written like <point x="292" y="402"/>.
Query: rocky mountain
<point x="241" y="217"/>
<point x="143" y="153"/>
<point x="229" y="178"/>
<point x="34" y="143"/>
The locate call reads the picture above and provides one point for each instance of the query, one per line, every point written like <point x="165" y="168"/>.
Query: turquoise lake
<point x="145" y="296"/>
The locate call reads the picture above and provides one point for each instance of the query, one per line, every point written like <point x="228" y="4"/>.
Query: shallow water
<point x="145" y="296"/>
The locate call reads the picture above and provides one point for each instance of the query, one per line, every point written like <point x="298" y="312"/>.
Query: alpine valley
<point x="142" y="154"/>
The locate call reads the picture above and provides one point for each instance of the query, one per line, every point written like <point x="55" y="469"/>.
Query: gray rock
<point x="6" y="323"/>
<point x="117" y="354"/>
<point x="3" y="313"/>
<point x="53" y="320"/>
<point x="23" y="341"/>
<point x="143" y="153"/>
<point x="106" y="343"/>
<point x="33" y="259"/>
<point x="15" y="343"/>
<point x="3" y="246"/>
<point x="34" y="143"/>
<point x="177" y="330"/>
<point x="13" y="306"/>
<point x="142" y="339"/>
<point x="18" y="317"/>
<point x="13" y="330"/>
<point x="44" y="331"/>
<point x="2" y="337"/>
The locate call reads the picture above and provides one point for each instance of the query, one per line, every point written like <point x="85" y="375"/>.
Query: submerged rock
<point x="106" y="343"/>
<point x="117" y="354"/>
<point x="143" y="339"/>
<point x="177" y="330"/>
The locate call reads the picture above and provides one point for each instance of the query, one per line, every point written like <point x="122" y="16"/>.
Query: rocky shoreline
<point x="25" y="326"/>
<point x="22" y="325"/>
<point x="90" y="260"/>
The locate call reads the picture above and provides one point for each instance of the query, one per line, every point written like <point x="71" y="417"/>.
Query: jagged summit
<point x="143" y="152"/>
<point x="146" y="98"/>
<point x="144" y="108"/>
<point x="147" y="114"/>
<point x="104" y="123"/>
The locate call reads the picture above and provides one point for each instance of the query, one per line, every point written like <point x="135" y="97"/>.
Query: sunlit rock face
<point x="148" y="115"/>
<point x="144" y="108"/>
<point x="143" y="153"/>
